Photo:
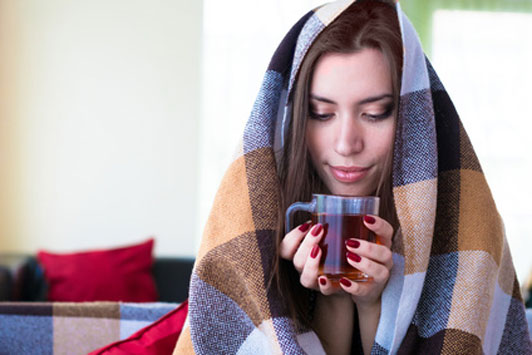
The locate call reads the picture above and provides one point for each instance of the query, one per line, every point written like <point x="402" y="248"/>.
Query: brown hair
<point x="365" y="24"/>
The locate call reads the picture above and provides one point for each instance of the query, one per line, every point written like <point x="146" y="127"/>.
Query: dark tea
<point x="338" y="228"/>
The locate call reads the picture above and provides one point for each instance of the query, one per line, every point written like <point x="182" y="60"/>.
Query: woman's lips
<point x="348" y="174"/>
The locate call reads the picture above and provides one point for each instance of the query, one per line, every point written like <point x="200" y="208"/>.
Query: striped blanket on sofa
<point x="71" y="328"/>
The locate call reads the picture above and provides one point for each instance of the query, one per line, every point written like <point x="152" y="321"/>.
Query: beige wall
<point x="99" y="107"/>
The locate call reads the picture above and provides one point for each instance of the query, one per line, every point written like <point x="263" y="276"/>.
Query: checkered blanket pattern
<point x="71" y="328"/>
<point x="453" y="289"/>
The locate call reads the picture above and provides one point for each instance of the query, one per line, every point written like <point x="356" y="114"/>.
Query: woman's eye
<point x="320" y="116"/>
<point x="380" y="116"/>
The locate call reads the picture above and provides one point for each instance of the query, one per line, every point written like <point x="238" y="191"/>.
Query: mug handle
<point x="297" y="206"/>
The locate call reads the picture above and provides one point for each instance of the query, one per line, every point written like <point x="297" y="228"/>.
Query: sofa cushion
<point x="120" y="274"/>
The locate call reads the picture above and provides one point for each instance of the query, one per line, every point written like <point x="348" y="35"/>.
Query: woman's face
<point x="351" y="124"/>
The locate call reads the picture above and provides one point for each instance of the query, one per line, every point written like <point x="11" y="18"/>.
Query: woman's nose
<point x="349" y="136"/>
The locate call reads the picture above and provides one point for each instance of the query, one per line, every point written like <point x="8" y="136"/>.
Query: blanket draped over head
<point x="452" y="289"/>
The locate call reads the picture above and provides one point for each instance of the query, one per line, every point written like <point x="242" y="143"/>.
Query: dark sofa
<point x="22" y="278"/>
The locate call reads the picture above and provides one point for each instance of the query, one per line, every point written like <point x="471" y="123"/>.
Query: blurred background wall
<point x="118" y="118"/>
<point x="100" y="105"/>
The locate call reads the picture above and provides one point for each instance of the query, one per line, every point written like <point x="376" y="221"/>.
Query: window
<point x="239" y="38"/>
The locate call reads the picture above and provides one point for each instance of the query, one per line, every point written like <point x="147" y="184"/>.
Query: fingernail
<point x="323" y="282"/>
<point x="314" y="251"/>
<point x="304" y="227"/>
<point x="369" y="219"/>
<point x="316" y="230"/>
<point x="353" y="256"/>
<point x="352" y="243"/>
<point x="345" y="282"/>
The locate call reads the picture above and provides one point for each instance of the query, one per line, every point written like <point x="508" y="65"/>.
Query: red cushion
<point x="157" y="338"/>
<point x="121" y="274"/>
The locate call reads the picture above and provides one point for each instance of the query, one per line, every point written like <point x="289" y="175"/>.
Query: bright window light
<point x="239" y="39"/>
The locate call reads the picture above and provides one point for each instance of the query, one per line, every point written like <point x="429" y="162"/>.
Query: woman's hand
<point x="374" y="259"/>
<point x="301" y="246"/>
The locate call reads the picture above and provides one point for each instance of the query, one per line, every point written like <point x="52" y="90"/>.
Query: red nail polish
<point x="369" y="219"/>
<point x="352" y="243"/>
<point x="353" y="256"/>
<point x="345" y="282"/>
<point x="304" y="227"/>
<point x="323" y="282"/>
<point x="314" y="251"/>
<point x="317" y="229"/>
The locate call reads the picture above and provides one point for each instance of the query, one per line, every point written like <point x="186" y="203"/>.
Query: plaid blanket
<point x="71" y="328"/>
<point x="453" y="289"/>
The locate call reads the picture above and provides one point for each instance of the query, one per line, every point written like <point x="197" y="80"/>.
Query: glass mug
<point x="342" y="218"/>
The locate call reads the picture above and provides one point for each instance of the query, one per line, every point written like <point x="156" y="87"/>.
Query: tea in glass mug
<point x="342" y="218"/>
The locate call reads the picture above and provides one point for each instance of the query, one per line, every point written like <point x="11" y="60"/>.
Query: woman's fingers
<point x="309" y="274"/>
<point x="379" y="272"/>
<point x="311" y="239"/>
<point x="326" y="286"/>
<point x="350" y="286"/>
<point x="292" y="240"/>
<point x="381" y="228"/>
<point x="373" y="259"/>
<point x="301" y="245"/>
<point x="373" y="251"/>
<point x="310" y="278"/>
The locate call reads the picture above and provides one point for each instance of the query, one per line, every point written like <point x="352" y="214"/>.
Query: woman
<point x="345" y="99"/>
<point x="344" y="110"/>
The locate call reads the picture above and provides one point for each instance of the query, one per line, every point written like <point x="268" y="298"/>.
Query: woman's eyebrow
<point x="322" y="99"/>
<point x="375" y="98"/>
<point x="361" y="102"/>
